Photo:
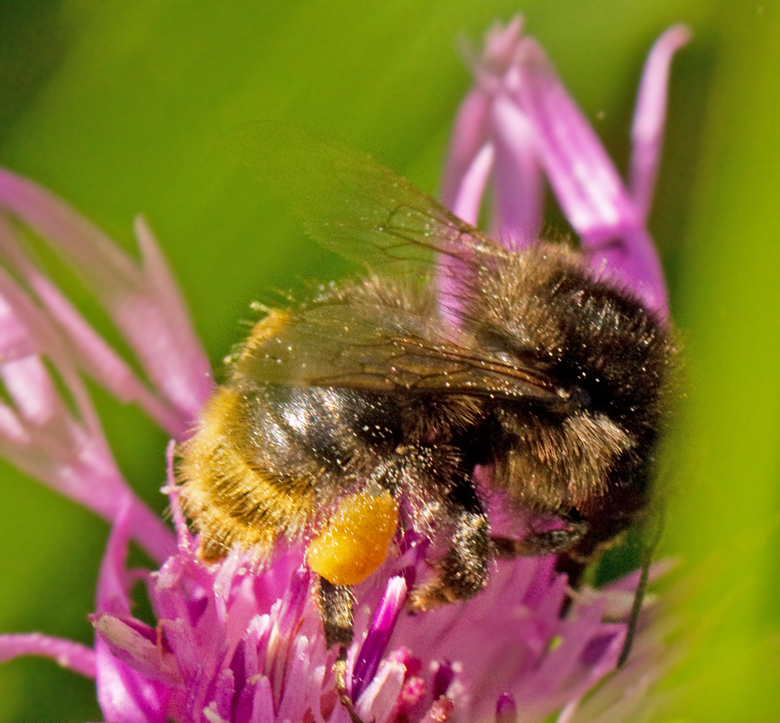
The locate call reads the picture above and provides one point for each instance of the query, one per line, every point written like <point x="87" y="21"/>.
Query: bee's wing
<point x="356" y="206"/>
<point x="385" y="347"/>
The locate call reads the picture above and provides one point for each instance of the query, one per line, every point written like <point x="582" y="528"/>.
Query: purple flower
<point x="234" y="645"/>
<point x="520" y="124"/>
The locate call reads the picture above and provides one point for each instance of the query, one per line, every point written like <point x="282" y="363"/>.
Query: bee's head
<point x="544" y="310"/>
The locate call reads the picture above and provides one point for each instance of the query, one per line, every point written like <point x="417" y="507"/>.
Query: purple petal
<point x="563" y="664"/>
<point x="468" y="196"/>
<point x="74" y="656"/>
<point x="624" y="695"/>
<point x="580" y="171"/>
<point x="15" y="339"/>
<point x="468" y="141"/>
<point x="475" y="148"/>
<point x="136" y="298"/>
<point x="185" y="541"/>
<point x="380" y="697"/>
<point x="519" y="186"/>
<point x="135" y="648"/>
<point x="86" y="348"/>
<point x="41" y="434"/>
<point x="472" y="123"/>
<point x="256" y="703"/>
<point x="125" y="696"/>
<point x="584" y="179"/>
<point x="647" y="131"/>
<point x="113" y="583"/>
<point x="374" y="646"/>
<point x="304" y="681"/>
<point x="221" y="706"/>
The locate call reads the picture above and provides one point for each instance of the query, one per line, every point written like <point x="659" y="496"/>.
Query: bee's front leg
<point x="541" y="543"/>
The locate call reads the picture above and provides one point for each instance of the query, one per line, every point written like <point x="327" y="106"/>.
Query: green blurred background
<point x="122" y="108"/>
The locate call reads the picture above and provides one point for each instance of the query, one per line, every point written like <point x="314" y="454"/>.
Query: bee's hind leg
<point x="336" y="610"/>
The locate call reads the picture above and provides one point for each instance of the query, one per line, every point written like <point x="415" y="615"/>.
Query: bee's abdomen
<point x="230" y="498"/>
<point x="264" y="461"/>
<point x="322" y="427"/>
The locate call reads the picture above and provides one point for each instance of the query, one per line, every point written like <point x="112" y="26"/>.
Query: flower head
<point x="234" y="644"/>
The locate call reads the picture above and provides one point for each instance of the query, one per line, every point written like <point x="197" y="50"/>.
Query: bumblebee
<point x="364" y="412"/>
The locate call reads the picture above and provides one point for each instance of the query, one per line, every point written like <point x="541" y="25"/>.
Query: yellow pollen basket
<point x="355" y="542"/>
